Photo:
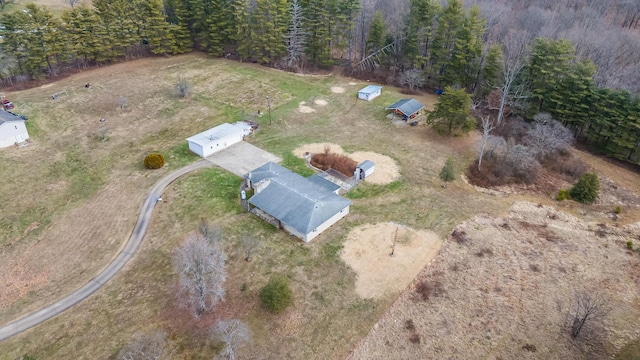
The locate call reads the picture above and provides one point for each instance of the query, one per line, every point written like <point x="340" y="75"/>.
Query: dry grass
<point x="72" y="200"/>
<point x="512" y="302"/>
<point x="94" y="189"/>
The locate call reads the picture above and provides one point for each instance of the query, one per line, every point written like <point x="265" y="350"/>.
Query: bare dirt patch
<point x="505" y="287"/>
<point x="337" y="89"/>
<point x="367" y="251"/>
<point x="317" y="148"/>
<point x="305" y="109"/>
<point x="320" y="102"/>
<point x="386" y="171"/>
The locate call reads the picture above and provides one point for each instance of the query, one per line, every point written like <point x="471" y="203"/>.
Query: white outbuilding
<point x="12" y="129"/>
<point x="364" y="169"/>
<point x="369" y="92"/>
<point x="218" y="138"/>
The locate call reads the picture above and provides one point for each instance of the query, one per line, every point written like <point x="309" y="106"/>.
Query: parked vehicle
<point x="7" y="105"/>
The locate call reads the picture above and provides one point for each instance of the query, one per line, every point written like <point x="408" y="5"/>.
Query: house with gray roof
<point x="300" y="206"/>
<point x="12" y="129"/>
<point x="407" y="108"/>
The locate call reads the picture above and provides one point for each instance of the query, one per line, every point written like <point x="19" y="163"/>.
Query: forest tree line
<point x="516" y="52"/>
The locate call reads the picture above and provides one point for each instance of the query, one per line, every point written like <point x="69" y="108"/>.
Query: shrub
<point x="617" y="210"/>
<point x="630" y="245"/>
<point x="563" y="195"/>
<point x="586" y="189"/>
<point x="426" y="289"/>
<point x="154" y="161"/>
<point x="276" y="295"/>
<point x="446" y="174"/>
<point x="183" y="87"/>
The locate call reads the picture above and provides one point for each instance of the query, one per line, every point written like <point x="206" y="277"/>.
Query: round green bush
<point x="586" y="189"/>
<point x="563" y="195"/>
<point x="276" y="295"/>
<point x="154" y="161"/>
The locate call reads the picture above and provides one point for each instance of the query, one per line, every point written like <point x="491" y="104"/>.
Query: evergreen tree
<point x="158" y="32"/>
<point x="550" y="62"/>
<point x="178" y="26"/>
<point x="419" y="31"/>
<point x="242" y="36"/>
<point x="586" y="189"/>
<point x="317" y="26"/>
<point x="220" y="27"/>
<point x="452" y="115"/>
<point x="271" y="19"/>
<point x="446" y="174"/>
<point x="491" y="68"/>
<point x="377" y="33"/>
<point x="80" y="25"/>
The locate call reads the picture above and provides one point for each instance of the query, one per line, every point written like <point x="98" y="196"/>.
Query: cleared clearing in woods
<point x="72" y="196"/>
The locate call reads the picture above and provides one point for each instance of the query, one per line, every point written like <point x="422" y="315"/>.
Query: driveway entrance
<point x="241" y="158"/>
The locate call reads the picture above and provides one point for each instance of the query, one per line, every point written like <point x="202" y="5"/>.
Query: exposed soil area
<point x="368" y="249"/>
<point x="506" y="286"/>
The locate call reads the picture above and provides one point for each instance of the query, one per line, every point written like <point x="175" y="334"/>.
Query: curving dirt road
<point x="125" y="254"/>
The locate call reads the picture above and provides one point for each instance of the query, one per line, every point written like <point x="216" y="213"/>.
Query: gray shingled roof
<point x="5" y="116"/>
<point x="406" y="106"/>
<point x="331" y="186"/>
<point x="296" y="201"/>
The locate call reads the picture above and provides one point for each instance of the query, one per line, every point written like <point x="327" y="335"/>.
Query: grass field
<point x="72" y="198"/>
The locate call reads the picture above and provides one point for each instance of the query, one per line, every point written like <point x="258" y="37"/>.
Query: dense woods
<point x="576" y="60"/>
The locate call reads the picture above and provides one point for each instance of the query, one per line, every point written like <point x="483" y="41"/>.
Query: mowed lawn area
<point x="70" y="200"/>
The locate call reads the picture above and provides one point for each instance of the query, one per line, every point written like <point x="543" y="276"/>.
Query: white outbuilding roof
<point x="220" y="132"/>
<point x="370" y="89"/>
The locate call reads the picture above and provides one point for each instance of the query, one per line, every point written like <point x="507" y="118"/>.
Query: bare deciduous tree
<point x="295" y="38"/>
<point x="151" y="346"/>
<point x="513" y="61"/>
<point x="200" y="266"/>
<point x="249" y="245"/>
<point x="413" y="78"/>
<point x="183" y="87"/>
<point x="586" y="307"/>
<point x="233" y="333"/>
<point x="547" y="136"/>
<point x="487" y="126"/>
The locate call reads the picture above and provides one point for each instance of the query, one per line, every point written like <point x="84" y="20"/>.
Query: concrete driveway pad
<point x="241" y="158"/>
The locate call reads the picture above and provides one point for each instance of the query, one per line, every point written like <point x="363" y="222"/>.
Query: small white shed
<point x="364" y="169"/>
<point x="369" y="92"/>
<point x="12" y="129"/>
<point x="218" y="138"/>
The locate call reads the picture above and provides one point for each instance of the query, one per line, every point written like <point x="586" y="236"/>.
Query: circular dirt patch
<point x="317" y="148"/>
<point x="367" y="251"/>
<point x="337" y="89"/>
<point x="386" y="170"/>
<point x="305" y="109"/>
<point x="320" y="102"/>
